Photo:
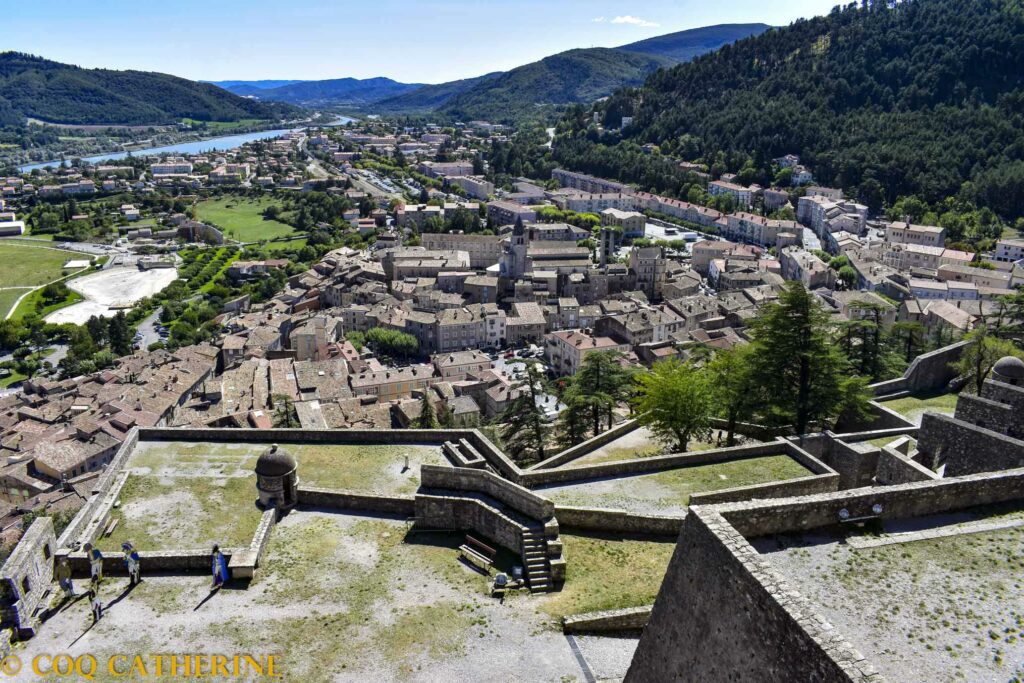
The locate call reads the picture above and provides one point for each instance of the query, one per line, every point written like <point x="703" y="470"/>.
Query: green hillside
<point x="682" y="46"/>
<point x="32" y="87"/>
<point x="925" y="97"/>
<point x="430" y="97"/>
<point x="574" y="76"/>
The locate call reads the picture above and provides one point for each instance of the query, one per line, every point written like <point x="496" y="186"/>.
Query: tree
<point x="674" y="401"/>
<point x="120" y="334"/>
<point x="733" y="389"/>
<point x="910" y="338"/>
<point x="800" y="371"/>
<point x="978" y="358"/>
<point x="284" y="411"/>
<point x="601" y="383"/>
<point x="427" y="418"/>
<point x="392" y="342"/>
<point x="524" y="430"/>
<point x="573" y="426"/>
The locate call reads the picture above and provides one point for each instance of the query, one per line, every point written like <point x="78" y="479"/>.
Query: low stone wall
<point x="761" y="518"/>
<point x="804" y="486"/>
<point x="157" y="561"/>
<point x="895" y="468"/>
<point x="613" y="620"/>
<point x="666" y="462"/>
<point x="462" y="479"/>
<point x="469" y="514"/>
<point x="856" y="465"/>
<point x="588" y="446"/>
<point x="616" y="521"/>
<point x="644" y="465"/>
<point x="261" y="538"/>
<point x="347" y="500"/>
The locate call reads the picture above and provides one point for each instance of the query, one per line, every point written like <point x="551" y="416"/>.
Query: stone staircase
<point x="536" y="564"/>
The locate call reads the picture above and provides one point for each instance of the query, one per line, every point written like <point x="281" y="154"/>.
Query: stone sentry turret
<point x="277" y="479"/>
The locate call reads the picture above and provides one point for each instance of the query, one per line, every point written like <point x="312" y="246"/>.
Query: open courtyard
<point x="366" y="599"/>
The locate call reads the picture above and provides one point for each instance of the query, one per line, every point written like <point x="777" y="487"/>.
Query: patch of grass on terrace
<point x="364" y="468"/>
<point x="605" y="572"/>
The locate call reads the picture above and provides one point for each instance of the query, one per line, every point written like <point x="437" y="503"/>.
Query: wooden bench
<point x="111" y="525"/>
<point x="478" y="553"/>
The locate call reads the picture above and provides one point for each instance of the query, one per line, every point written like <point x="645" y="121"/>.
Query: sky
<point x="415" y="41"/>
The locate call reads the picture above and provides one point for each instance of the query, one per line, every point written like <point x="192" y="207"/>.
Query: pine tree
<point x="427" y="418"/>
<point x="803" y="375"/>
<point x="525" y="430"/>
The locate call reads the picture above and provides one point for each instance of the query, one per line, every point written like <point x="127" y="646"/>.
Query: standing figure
<point x="132" y="563"/>
<point x="95" y="562"/>
<point x="220" y="568"/>
<point x="64" y="578"/>
<point x="94" y="598"/>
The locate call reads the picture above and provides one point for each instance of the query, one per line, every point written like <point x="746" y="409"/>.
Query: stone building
<point x="277" y="479"/>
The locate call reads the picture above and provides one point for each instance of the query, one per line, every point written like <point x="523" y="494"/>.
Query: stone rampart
<point x="928" y="372"/>
<point x="645" y="465"/>
<point x="896" y="468"/>
<point x="75" y="529"/>
<point x="173" y="561"/>
<point x="588" y="446"/>
<point x="607" y="621"/>
<point x="765" y="517"/>
<point x="348" y="500"/>
<point x="965" y="448"/>
<point x="516" y="497"/>
<point x="804" y="486"/>
<point x="27" y="575"/>
<point x="739" y="622"/>
<point x="988" y="413"/>
<point x="469" y="514"/>
<point x="616" y="521"/>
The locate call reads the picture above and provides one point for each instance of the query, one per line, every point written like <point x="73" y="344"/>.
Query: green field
<point x="241" y="219"/>
<point x="28" y="266"/>
<point x="226" y="126"/>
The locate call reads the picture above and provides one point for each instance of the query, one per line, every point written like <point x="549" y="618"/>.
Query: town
<point x="454" y="398"/>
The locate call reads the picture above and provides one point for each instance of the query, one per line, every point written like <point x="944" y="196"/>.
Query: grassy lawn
<point x="7" y="299"/>
<point x="605" y="572"/>
<point x="364" y="468"/>
<point x="242" y="219"/>
<point x="668" y="492"/>
<point x="187" y="496"/>
<point x="29" y="303"/>
<point x="297" y="243"/>
<point x="13" y="378"/>
<point x="913" y="407"/>
<point x="28" y="266"/>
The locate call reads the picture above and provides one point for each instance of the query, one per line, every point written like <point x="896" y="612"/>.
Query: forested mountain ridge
<point x="569" y="77"/>
<point x="924" y="97"/>
<point x="33" y="87"/>
<point x="682" y="46"/>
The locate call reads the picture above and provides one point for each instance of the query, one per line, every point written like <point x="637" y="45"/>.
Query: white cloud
<point x="634" y="21"/>
<point x="599" y="20"/>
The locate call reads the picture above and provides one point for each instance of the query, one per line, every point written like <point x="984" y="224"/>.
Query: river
<point x="221" y="144"/>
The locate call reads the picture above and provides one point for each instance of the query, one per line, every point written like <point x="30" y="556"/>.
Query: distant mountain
<point x="33" y="87"/>
<point x="336" y="91"/>
<point x="430" y="97"/>
<point x="258" y="85"/>
<point x="685" y="45"/>
<point x="569" y="77"/>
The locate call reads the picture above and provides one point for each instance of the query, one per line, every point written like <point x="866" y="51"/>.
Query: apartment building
<point x="905" y="233"/>
<point x="647" y="265"/>
<point x="753" y="229"/>
<point x="566" y="350"/>
<point x="393" y="383"/>
<point x="588" y="183"/>
<point x="507" y="213"/>
<point x="744" y="196"/>
<point x="477" y="187"/>
<point x="1009" y="250"/>
<point x="595" y="202"/>
<point x="632" y="223"/>
<point x="803" y="266"/>
<point x="455" y="366"/>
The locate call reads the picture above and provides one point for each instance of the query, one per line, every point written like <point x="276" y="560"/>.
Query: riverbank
<point x="215" y="144"/>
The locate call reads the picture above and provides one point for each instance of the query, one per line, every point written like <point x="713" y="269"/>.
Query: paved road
<point x="147" y="328"/>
